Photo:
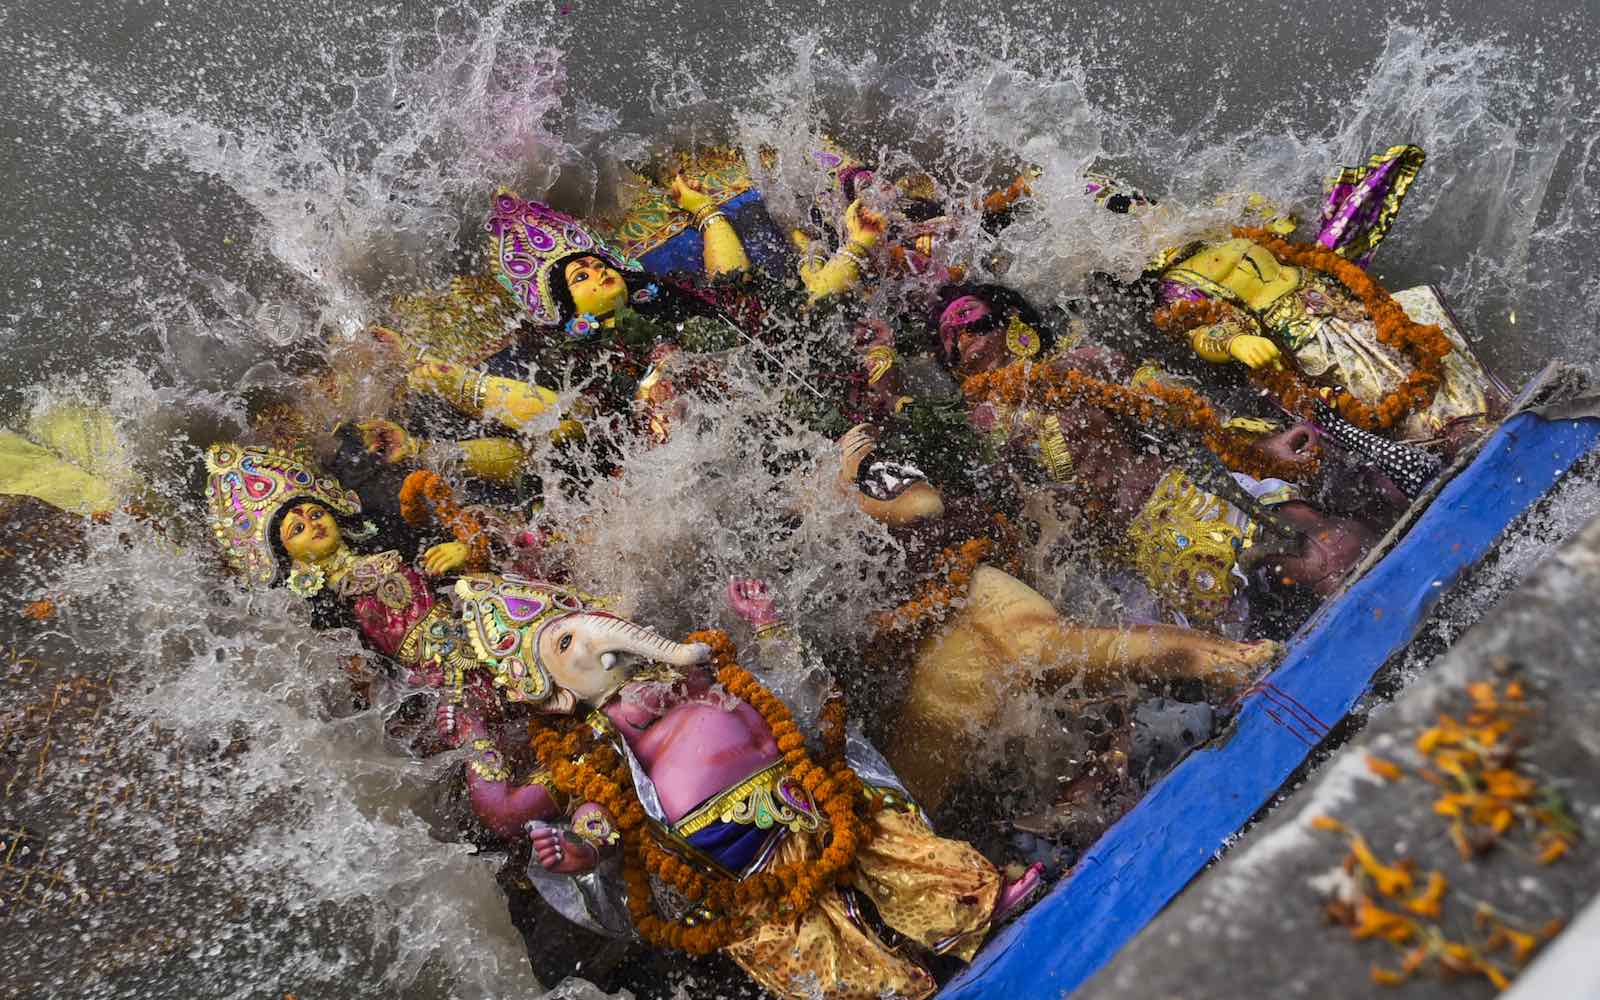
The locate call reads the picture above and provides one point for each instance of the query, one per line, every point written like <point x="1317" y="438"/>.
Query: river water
<point x="205" y="200"/>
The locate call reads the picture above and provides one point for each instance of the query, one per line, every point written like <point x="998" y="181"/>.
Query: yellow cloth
<point x="927" y="888"/>
<point x="71" y="458"/>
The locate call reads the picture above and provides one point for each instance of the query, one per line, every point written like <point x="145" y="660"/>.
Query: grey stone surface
<point x="1254" y="925"/>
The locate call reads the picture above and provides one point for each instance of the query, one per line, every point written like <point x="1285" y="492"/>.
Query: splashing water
<point x="210" y="211"/>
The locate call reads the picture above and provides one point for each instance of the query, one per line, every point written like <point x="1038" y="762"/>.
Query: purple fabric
<point x="1177" y="291"/>
<point x="1352" y="210"/>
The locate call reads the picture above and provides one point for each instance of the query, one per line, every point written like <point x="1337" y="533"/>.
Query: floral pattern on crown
<point x="526" y="239"/>
<point x="246" y="487"/>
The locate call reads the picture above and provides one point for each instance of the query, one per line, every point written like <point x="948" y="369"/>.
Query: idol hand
<point x="1254" y="351"/>
<point x="863" y="225"/>
<point x="443" y="558"/>
<point x="689" y="193"/>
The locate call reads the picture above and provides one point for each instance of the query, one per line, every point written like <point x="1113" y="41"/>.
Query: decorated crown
<point x="503" y="615"/>
<point x="246" y="487"/>
<point x="527" y="240"/>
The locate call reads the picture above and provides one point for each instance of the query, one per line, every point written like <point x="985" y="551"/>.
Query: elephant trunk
<point x="623" y="636"/>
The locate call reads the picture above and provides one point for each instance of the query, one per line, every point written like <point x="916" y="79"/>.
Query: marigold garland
<point x="1176" y="406"/>
<point x="586" y="770"/>
<point x="1424" y="345"/>
<point x="934" y="597"/>
<point x="949" y="581"/>
<point x="425" y="497"/>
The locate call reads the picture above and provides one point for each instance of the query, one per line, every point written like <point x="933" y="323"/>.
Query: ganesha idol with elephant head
<point x="729" y="835"/>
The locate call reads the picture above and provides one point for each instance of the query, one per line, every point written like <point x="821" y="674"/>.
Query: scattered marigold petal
<point x="1511" y="785"/>
<point x="1495" y="975"/>
<point x="1552" y="928"/>
<point x="1373" y="920"/>
<point x="1426" y="903"/>
<point x="1414" y="959"/>
<point x="1458" y="958"/>
<point x="1553" y="850"/>
<point x="1429" y="739"/>
<point x="1514" y="691"/>
<point x="1384" y="769"/>
<point x="1433" y="778"/>
<point x="1501" y="822"/>
<point x="1388" y="977"/>
<point x="1522" y="945"/>
<point x="1327" y="823"/>
<point x="1391" y="881"/>
<point x="1455" y="763"/>
<point x="1482" y="693"/>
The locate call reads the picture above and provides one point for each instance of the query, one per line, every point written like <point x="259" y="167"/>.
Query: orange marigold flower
<point x="40" y="611"/>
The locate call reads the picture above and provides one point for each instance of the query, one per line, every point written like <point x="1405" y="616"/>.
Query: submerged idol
<point x="1257" y="296"/>
<point x="730" y="836"/>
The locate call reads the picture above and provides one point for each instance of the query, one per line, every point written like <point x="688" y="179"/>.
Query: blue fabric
<point x="732" y="845"/>
<point x="1152" y="853"/>
<point x="747" y="213"/>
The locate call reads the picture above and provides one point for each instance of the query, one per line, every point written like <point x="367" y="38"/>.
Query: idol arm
<point x="724" y="251"/>
<point x="503" y="806"/>
<point x="1157" y="652"/>
<point x="508" y="402"/>
<point x="1211" y="342"/>
<point x="496" y="459"/>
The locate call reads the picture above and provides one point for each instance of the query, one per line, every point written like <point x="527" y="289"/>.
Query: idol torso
<point x="1247" y="270"/>
<point x="694" y="743"/>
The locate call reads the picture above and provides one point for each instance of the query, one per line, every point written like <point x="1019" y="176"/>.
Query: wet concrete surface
<point x="1256" y="924"/>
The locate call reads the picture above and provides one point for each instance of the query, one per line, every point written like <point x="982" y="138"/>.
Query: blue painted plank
<point x="1147" y="858"/>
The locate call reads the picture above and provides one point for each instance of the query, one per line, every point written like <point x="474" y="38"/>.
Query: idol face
<point x="972" y="340"/>
<point x="309" y="533"/>
<point x="595" y="287"/>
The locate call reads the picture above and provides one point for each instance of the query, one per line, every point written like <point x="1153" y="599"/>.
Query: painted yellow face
<point x="309" y="533"/>
<point x="596" y="289"/>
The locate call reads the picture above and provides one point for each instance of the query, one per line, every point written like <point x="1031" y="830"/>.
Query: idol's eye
<point x="296" y="528"/>
<point x="565" y="643"/>
<point x="315" y="515"/>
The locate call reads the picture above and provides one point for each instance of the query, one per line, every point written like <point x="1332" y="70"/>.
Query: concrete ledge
<point x="1254" y="925"/>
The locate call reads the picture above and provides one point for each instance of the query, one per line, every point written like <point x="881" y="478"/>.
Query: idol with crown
<point x="561" y="303"/>
<point x="666" y="760"/>
<point x="1307" y="315"/>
